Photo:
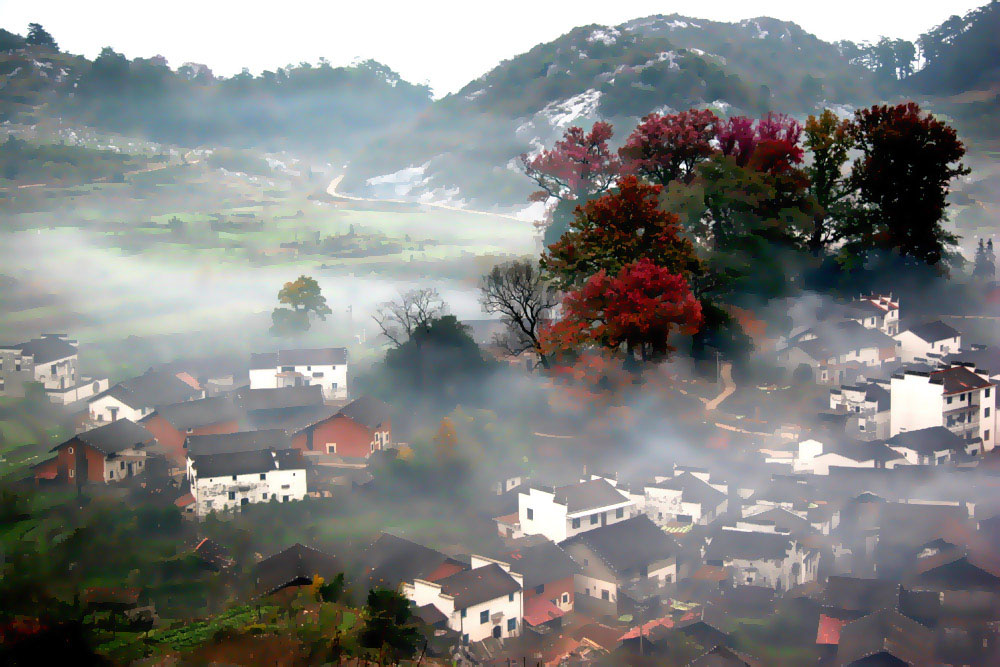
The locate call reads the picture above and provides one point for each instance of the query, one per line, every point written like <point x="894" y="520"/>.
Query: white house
<point x="875" y="312"/>
<point x="221" y="482"/>
<point x="325" y="367"/>
<point x="867" y="407"/>
<point x="813" y="457"/>
<point x="928" y="341"/>
<point x="959" y="397"/>
<point x="484" y="601"/>
<point x="561" y="513"/>
<point x="136" y="398"/>
<point x="934" y="445"/>
<point x="835" y="350"/>
<point x="685" y="498"/>
<point x="762" y="556"/>
<point x="51" y="361"/>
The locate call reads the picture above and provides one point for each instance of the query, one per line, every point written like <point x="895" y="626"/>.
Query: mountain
<point x="465" y="146"/>
<point x="316" y="109"/>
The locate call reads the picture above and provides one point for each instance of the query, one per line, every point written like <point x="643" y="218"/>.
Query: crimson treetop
<point x="579" y="166"/>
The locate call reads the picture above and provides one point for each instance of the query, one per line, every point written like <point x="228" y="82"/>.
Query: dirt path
<point x="728" y="387"/>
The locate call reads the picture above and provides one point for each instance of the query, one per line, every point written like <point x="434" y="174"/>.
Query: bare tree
<point x="518" y="292"/>
<point x="399" y="319"/>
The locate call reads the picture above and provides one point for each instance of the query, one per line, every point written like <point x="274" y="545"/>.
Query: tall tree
<point x="519" y="293"/>
<point x="300" y="299"/>
<point x="413" y="310"/>
<point x="828" y="140"/>
<point x="908" y="160"/>
<point x="39" y="36"/>
<point x="620" y="228"/>
<point x="984" y="265"/>
<point x="388" y="627"/>
<point x="667" y="148"/>
<point x="579" y="166"/>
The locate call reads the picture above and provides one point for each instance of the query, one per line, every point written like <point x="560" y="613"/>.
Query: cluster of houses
<point x="229" y="443"/>
<point x="51" y="361"/>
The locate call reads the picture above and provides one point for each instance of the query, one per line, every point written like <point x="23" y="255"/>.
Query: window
<point x="465" y="639"/>
<point x="620" y="512"/>
<point x="69" y="449"/>
<point x="232" y="495"/>
<point x="510" y="598"/>
<point x="234" y="478"/>
<point x="263" y="475"/>
<point x="122" y="466"/>
<point x="531" y="514"/>
<point x="463" y="613"/>
<point x="284" y="499"/>
<point x="484" y="616"/>
<point x="72" y="473"/>
<point x="986" y="413"/>
<point x="986" y="434"/>
<point x="111" y="474"/>
<point x="605" y="595"/>
<point x="540" y="588"/>
<point x="565" y="598"/>
<point x="511" y="624"/>
<point x="949" y="400"/>
<point x="576" y="523"/>
<point x="331" y="448"/>
<point x="593" y="519"/>
<point x="987" y="394"/>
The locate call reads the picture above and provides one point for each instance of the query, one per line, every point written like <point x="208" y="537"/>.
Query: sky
<point x="443" y="43"/>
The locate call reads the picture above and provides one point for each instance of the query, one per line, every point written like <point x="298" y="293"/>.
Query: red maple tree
<point x="580" y="165"/>
<point x="666" y="148"/>
<point x="770" y="145"/>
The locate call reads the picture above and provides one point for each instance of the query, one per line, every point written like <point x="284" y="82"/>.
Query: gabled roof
<point x="927" y="440"/>
<point x="782" y="519"/>
<point x="150" y="390"/>
<point x="541" y="563"/>
<point x="730" y="544"/>
<point x="958" y="379"/>
<point x="327" y="356"/>
<point x="367" y="411"/>
<point x="281" y="398"/>
<point x="694" y="490"/>
<point x="291" y="420"/>
<point x="470" y="587"/>
<point x="932" y="332"/>
<point x="113" y="438"/>
<point x="45" y="349"/>
<point x="589" y="495"/>
<point x="854" y="594"/>
<point x="867" y="451"/>
<point x="202" y="412"/>
<point x="886" y="631"/>
<point x="627" y="545"/>
<point x="392" y="560"/>
<point x="231" y="443"/>
<point x="247" y="463"/>
<point x="296" y="565"/>
<point x="833" y="340"/>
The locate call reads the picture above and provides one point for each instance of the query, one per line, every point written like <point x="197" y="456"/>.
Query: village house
<point x="358" y="430"/>
<point x="233" y="443"/>
<point x="875" y="312"/>
<point x="885" y="637"/>
<point x="932" y="446"/>
<point x="391" y="560"/>
<point x="479" y="603"/>
<point x="561" y="513"/>
<point x="109" y="453"/>
<point x="294" y="567"/>
<point x="173" y="424"/>
<point x="815" y="458"/>
<point x="685" y="498"/>
<point x="837" y="352"/>
<point x="615" y="558"/>
<point x="927" y="342"/>
<point x="549" y="581"/>
<point x="325" y="368"/>
<point x="226" y="482"/>
<point x="960" y="398"/>
<point x="762" y="556"/>
<point x="137" y="398"/>
<point x="51" y="361"/>
<point x="867" y="406"/>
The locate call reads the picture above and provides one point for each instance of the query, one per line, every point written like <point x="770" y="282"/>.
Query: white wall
<point x="100" y="410"/>
<point x="263" y="378"/>
<point x="333" y="378"/>
<point x="911" y="346"/>
<point x="211" y="494"/>
<point x="915" y="404"/>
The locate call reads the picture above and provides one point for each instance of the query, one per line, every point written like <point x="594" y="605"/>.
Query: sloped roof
<point x="281" y="398"/>
<point x="368" y="411"/>
<point x="835" y="339"/>
<point x="747" y="545"/>
<point x="231" y="443"/>
<point x="932" y="332"/>
<point x="152" y="389"/>
<point x="927" y="440"/>
<point x="113" y="438"/>
<point x="198" y="413"/>
<point x="886" y="631"/>
<point x="291" y="420"/>
<point x="856" y="594"/>
<point x="246" y="463"/>
<point x="297" y="564"/>
<point x="392" y="560"/>
<point x="958" y="379"/>
<point x="629" y="544"/>
<point x="541" y="563"/>
<point x="470" y="587"/>
<point x="327" y="356"/>
<point x="46" y="349"/>
<point x="589" y="495"/>
<point x="694" y="490"/>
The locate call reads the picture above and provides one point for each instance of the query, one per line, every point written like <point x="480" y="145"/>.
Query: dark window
<point x="620" y="512"/>
<point x="531" y="514"/>
<point x="986" y="434"/>
<point x="986" y="413"/>
<point x="949" y="400"/>
<point x="540" y="588"/>
<point x="987" y="392"/>
<point x="465" y="639"/>
<point x="263" y="475"/>
<point x="232" y="495"/>
<point x="576" y="523"/>
<point x="511" y="624"/>
<point x="605" y="595"/>
<point x="484" y="616"/>
<point x="593" y="519"/>
<point x="463" y="612"/>
<point x="234" y="478"/>
<point x="565" y="598"/>
<point x="284" y="499"/>
<point x="510" y="598"/>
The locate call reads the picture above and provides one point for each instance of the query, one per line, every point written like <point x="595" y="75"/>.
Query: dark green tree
<point x="984" y="266"/>
<point x="828" y="140"/>
<point x="388" y="628"/>
<point x="300" y="299"/>
<point x="39" y="36"/>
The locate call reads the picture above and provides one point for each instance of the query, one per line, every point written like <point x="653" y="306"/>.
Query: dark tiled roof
<point x="296" y="565"/>
<point x="291" y="420"/>
<point x="782" y="519"/>
<point x="280" y="399"/>
<point x="747" y="545"/>
<point x="839" y="338"/>
<point x="886" y="631"/>
<point x="694" y="490"/>
<point x="470" y="587"/>
<point x="932" y="332"/>
<point x="246" y="463"/>
<point x="114" y="437"/>
<point x="47" y="348"/>
<point x="867" y="451"/>
<point x="541" y="564"/>
<point x="588" y="496"/>
<point x="231" y="443"/>
<point x="367" y="411"/>
<point x="327" y="356"/>
<point x="152" y="389"/>
<point x="927" y="440"/>
<point x="203" y="412"/>
<point x="629" y="544"/>
<point x="430" y="614"/>
<point x="855" y="594"/>
<point x="264" y="360"/>
<point x="958" y="379"/>
<point x="393" y="560"/>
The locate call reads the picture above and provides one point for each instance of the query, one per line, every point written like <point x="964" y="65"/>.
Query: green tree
<point x="388" y="628"/>
<point x="828" y="139"/>
<point x="300" y="299"/>
<point x="984" y="266"/>
<point x="39" y="36"/>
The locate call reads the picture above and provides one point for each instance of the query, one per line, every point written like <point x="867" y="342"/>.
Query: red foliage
<point x="636" y="309"/>
<point x="771" y="145"/>
<point x="665" y="148"/>
<point x="580" y="165"/>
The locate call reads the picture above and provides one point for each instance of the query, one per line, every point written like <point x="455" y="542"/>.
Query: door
<point x="604" y="518"/>
<point x="496" y="632"/>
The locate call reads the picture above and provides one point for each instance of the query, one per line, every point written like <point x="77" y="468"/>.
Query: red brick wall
<point x="554" y="591"/>
<point x="83" y="457"/>
<point x="352" y="439"/>
<point x="172" y="440"/>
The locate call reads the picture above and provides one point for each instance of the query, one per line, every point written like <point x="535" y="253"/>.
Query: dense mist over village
<point x="666" y="343"/>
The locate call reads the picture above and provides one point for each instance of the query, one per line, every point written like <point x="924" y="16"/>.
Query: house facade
<point x="685" y="498"/>
<point x="762" y="557"/>
<point x="561" y="513"/>
<point x="358" y="430"/>
<point x="928" y="341"/>
<point x="867" y="406"/>
<point x="104" y="455"/>
<point x="51" y="361"/>
<point x="835" y="352"/>
<point x="173" y="424"/>
<point x="325" y="367"/>
<point x="226" y="482"/>
<point x="137" y="398"/>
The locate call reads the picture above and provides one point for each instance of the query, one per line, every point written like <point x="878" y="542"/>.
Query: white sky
<point x="445" y="43"/>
